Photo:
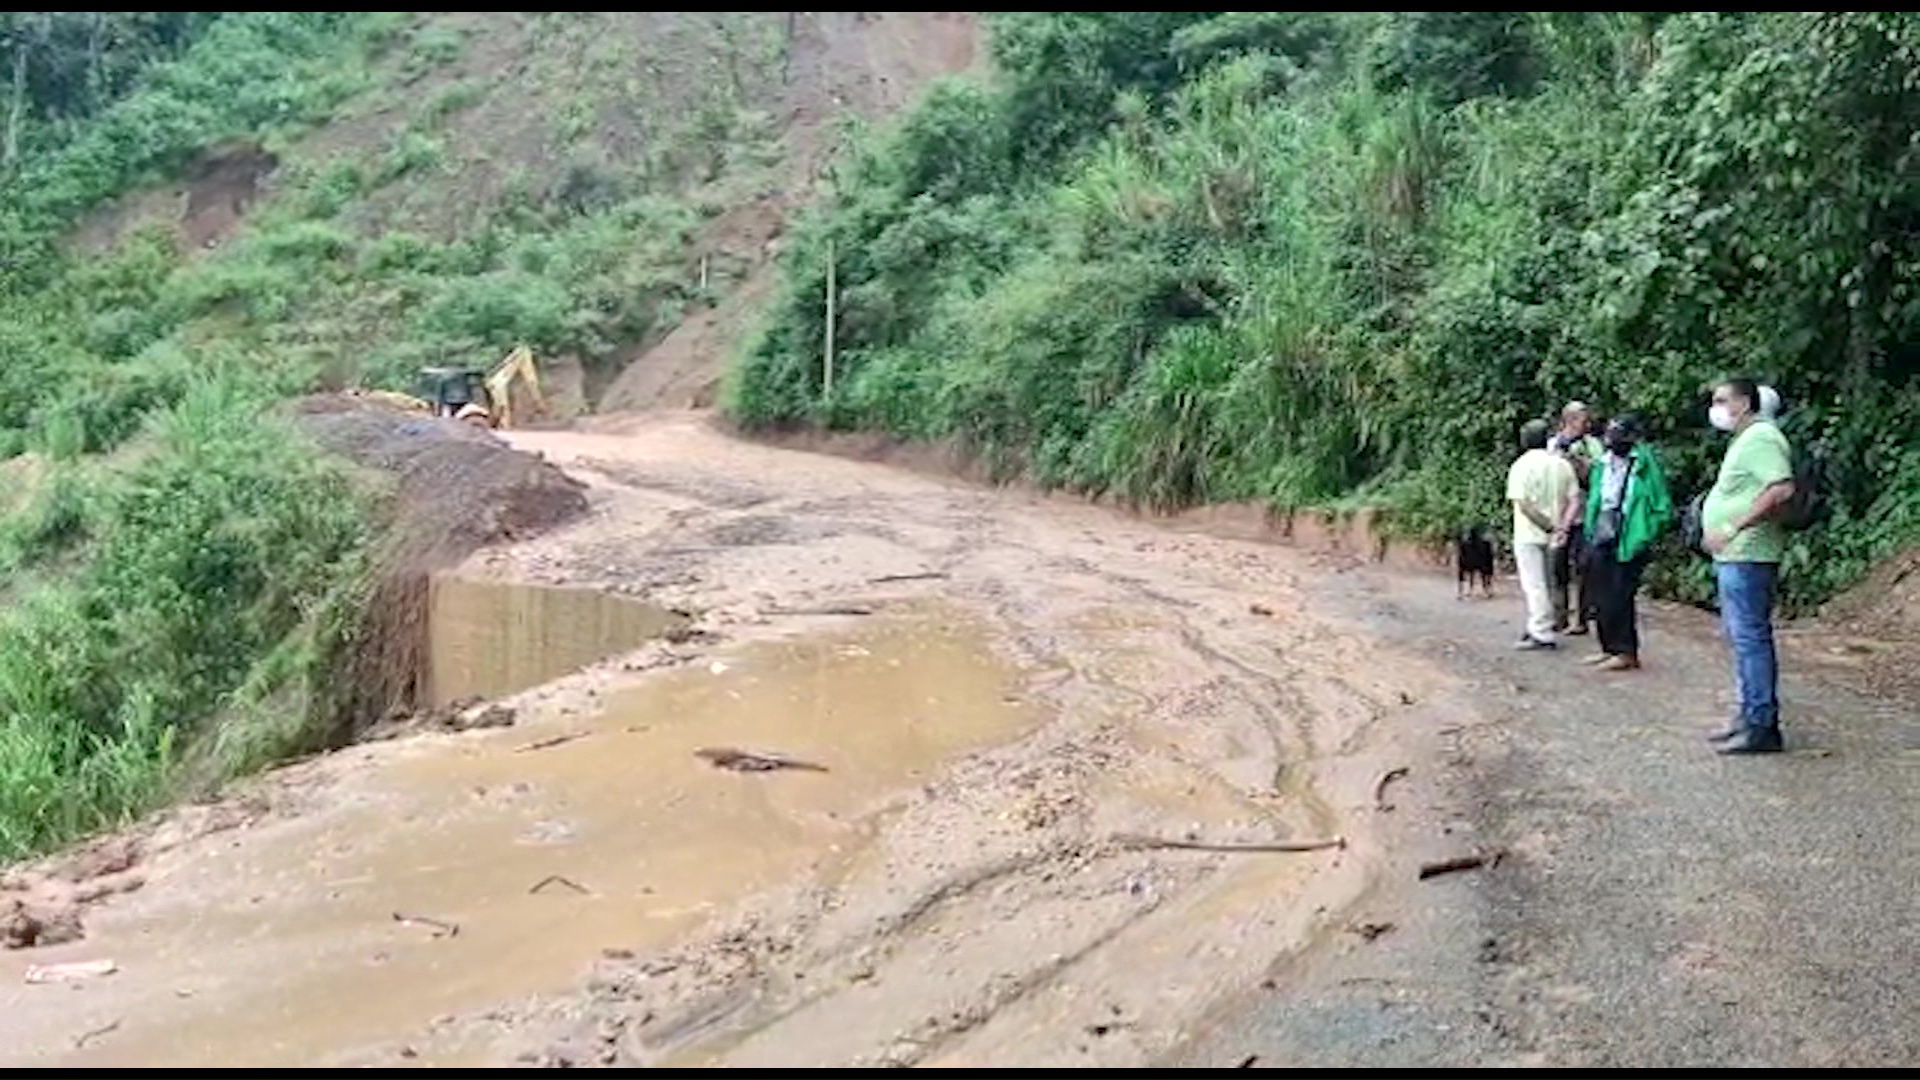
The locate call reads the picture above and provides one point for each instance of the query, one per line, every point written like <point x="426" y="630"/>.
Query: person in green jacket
<point x="1628" y="505"/>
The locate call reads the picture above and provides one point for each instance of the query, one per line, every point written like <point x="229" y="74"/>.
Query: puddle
<point x="493" y="638"/>
<point x="280" y="947"/>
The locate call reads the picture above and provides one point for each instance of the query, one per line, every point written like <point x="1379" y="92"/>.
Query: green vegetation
<point x="146" y="586"/>
<point x="63" y="67"/>
<point x="1311" y="259"/>
<point x="180" y="564"/>
<point x="1335" y="260"/>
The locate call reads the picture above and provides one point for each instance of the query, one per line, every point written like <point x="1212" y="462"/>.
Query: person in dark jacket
<point x="1578" y="441"/>
<point x="1628" y="506"/>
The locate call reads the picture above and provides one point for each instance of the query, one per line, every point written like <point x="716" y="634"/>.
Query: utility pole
<point x="786" y="52"/>
<point x="828" y="379"/>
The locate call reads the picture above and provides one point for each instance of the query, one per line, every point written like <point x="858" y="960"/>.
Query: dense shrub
<point x="1336" y="259"/>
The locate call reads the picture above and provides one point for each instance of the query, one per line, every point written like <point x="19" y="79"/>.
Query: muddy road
<point x="1077" y="782"/>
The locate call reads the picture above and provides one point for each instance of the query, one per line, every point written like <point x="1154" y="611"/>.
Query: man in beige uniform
<point x="1541" y="487"/>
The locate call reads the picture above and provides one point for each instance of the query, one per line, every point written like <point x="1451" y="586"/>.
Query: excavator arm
<point x="517" y="367"/>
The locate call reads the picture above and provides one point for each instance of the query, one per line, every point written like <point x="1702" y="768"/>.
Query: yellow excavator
<point x="465" y="394"/>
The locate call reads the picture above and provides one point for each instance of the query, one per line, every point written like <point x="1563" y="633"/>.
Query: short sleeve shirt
<point x="1543" y="480"/>
<point x="1756" y="459"/>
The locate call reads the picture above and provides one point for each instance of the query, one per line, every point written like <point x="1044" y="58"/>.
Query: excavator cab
<point x="486" y="398"/>
<point x="455" y="392"/>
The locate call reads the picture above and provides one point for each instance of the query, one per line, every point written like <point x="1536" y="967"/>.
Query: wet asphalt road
<point x="1665" y="906"/>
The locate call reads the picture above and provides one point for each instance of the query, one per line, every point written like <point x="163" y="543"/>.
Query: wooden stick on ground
<point x="550" y="742"/>
<point x="1475" y="861"/>
<point x="726" y="757"/>
<point x="86" y="1037"/>
<point x="439" y="927"/>
<point x="556" y="879"/>
<point x="1138" y="842"/>
<point x="1380" y="802"/>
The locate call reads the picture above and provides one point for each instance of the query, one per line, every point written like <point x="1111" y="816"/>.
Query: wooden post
<point x="828" y="379"/>
<point x="786" y="53"/>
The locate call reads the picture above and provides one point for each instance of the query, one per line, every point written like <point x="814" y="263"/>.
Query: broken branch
<point x="550" y="742"/>
<point x="439" y="928"/>
<point x="1138" y="842"/>
<point x="556" y="879"/>
<point x="831" y="609"/>
<point x="726" y="757"/>
<point x="1380" y="802"/>
<point x="86" y="1037"/>
<point x="887" y="579"/>
<point x="1475" y="861"/>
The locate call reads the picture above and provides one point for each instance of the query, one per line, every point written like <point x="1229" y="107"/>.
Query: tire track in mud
<point x="893" y="934"/>
<point x="1166" y="691"/>
<point x="855" y="962"/>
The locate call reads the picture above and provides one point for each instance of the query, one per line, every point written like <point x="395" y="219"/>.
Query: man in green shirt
<point x="1755" y="480"/>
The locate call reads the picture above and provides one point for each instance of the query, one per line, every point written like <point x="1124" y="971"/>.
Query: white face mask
<point x="1720" y="417"/>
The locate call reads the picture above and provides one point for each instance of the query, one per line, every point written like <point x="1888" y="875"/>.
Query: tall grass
<point x="207" y="554"/>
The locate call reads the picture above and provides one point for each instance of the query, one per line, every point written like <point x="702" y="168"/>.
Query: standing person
<point x="1540" y="485"/>
<point x="1575" y="436"/>
<point x="1575" y="442"/>
<point x="1628" y="505"/>
<point x="1755" y="480"/>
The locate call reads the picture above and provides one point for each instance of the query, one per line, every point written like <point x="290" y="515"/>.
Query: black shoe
<point x="1764" y="740"/>
<point x="1529" y="643"/>
<point x="1734" y="727"/>
<point x="1578" y="630"/>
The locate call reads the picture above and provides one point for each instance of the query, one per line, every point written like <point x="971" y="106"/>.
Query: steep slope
<point x="865" y="64"/>
<point x="282" y="202"/>
<point x="517" y="122"/>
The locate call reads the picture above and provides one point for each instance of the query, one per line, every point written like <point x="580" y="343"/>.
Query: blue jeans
<point x="1747" y="592"/>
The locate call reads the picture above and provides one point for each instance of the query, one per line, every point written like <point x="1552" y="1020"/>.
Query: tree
<point x="64" y="66"/>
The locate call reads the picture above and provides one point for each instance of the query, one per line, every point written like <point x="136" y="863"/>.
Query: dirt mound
<point x="457" y="489"/>
<point x="1866" y="636"/>
<point x="1887" y="603"/>
<point x="44" y="904"/>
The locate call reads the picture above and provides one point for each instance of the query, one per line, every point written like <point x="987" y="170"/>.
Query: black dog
<point x="1473" y="559"/>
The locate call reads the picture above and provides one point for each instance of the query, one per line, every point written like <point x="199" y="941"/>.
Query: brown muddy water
<point x="493" y="638"/>
<point x="280" y="946"/>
